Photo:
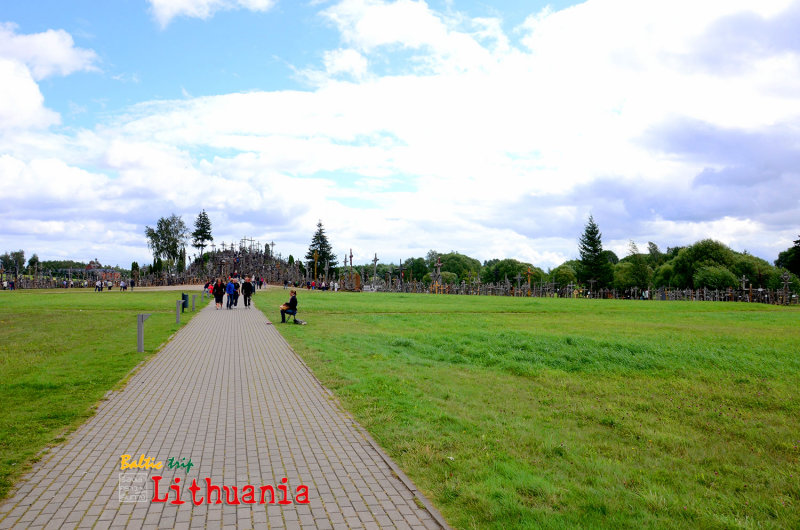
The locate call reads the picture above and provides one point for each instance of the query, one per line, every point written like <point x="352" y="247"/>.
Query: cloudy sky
<point x="489" y="128"/>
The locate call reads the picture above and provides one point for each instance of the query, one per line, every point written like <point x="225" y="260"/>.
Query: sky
<point x="493" y="129"/>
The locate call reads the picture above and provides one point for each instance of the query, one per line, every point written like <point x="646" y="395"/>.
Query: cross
<point x="351" y="258"/>
<point x="402" y="272"/>
<point x="744" y="281"/>
<point x="591" y="285"/>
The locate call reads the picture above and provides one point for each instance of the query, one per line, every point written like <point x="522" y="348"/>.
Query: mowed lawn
<point x="60" y="352"/>
<point x="550" y="413"/>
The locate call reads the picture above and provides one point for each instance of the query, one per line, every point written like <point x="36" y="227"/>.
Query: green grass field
<point x="508" y="413"/>
<point x="548" y="413"/>
<point x="60" y="352"/>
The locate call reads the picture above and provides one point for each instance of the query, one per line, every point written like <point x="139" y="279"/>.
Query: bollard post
<point x="140" y="318"/>
<point x="193" y="297"/>
<point x="178" y="306"/>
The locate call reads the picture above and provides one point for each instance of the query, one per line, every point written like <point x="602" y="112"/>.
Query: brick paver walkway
<point x="229" y="393"/>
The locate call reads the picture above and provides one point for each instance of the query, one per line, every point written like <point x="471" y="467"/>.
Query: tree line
<point x="704" y="264"/>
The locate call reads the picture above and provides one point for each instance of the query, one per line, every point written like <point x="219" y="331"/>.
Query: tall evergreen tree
<point x="320" y="244"/>
<point x="182" y="260"/>
<point x="202" y="232"/>
<point x="594" y="264"/>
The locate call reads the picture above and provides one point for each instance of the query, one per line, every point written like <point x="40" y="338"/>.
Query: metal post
<point x="178" y="306"/>
<point x="193" y="298"/>
<point x="140" y="318"/>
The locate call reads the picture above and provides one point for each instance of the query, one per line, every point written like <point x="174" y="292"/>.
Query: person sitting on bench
<point x="290" y="307"/>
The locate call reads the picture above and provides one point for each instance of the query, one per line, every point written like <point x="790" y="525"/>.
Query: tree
<point x="594" y="264"/>
<point x="18" y="260"/>
<point x="320" y="245"/>
<point x="431" y="258"/>
<point x="563" y="275"/>
<point x="655" y="255"/>
<point x="167" y="239"/>
<point x="640" y="274"/>
<point x="460" y="265"/>
<point x="623" y="275"/>
<point x="714" y="277"/>
<point x="704" y="253"/>
<point x="202" y="232"/>
<point x="756" y="270"/>
<point x="447" y="278"/>
<point x="6" y="262"/>
<point x="789" y="259"/>
<point x="416" y="268"/>
<point x="32" y="263"/>
<point x="182" y="261"/>
<point x="611" y="256"/>
<point x="509" y="268"/>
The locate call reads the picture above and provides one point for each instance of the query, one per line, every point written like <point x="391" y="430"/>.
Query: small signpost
<point x="140" y="318"/>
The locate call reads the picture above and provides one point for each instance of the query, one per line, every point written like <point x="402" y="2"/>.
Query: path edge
<point x="418" y="495"/>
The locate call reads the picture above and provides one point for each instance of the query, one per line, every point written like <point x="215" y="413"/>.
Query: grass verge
<point x="548" y="413"/>
<point x="60" y="352"/>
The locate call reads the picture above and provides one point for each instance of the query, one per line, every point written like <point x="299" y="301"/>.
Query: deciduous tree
<point x="789" y="259"/>
<point x="167" y="239"/>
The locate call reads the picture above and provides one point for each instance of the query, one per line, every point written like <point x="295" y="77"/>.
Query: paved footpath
<point x="228" y="393"/>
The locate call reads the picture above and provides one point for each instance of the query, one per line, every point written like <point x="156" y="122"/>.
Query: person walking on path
<point x="218" y="290"/>
<point x="236" y="286"/>
<point x="230" y="290"/>
<point x="290" y="307"/>
<point x="247" y="291"/>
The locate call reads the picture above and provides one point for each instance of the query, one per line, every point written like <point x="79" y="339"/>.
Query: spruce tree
<point x="202" y="232"/>
<point x="320" y="244"/>
<point x="594" y="265"/>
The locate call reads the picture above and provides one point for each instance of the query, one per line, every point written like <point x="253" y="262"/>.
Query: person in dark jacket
<point x="247" y="291"/>
<point x="290" y="307"/>
<point x="218" y="290"/>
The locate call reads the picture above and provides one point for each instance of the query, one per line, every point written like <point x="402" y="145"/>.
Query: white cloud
<point x="346" y="62"/>
<point x="166" y="10"/>
<point x="490" y="142"/>
<point x="373" y="26"/>
<point x="52" y="52"/>
<point x="21" y="102"/>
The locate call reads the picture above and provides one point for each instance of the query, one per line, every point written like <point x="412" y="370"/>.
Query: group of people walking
<point x="233" y="289"/>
